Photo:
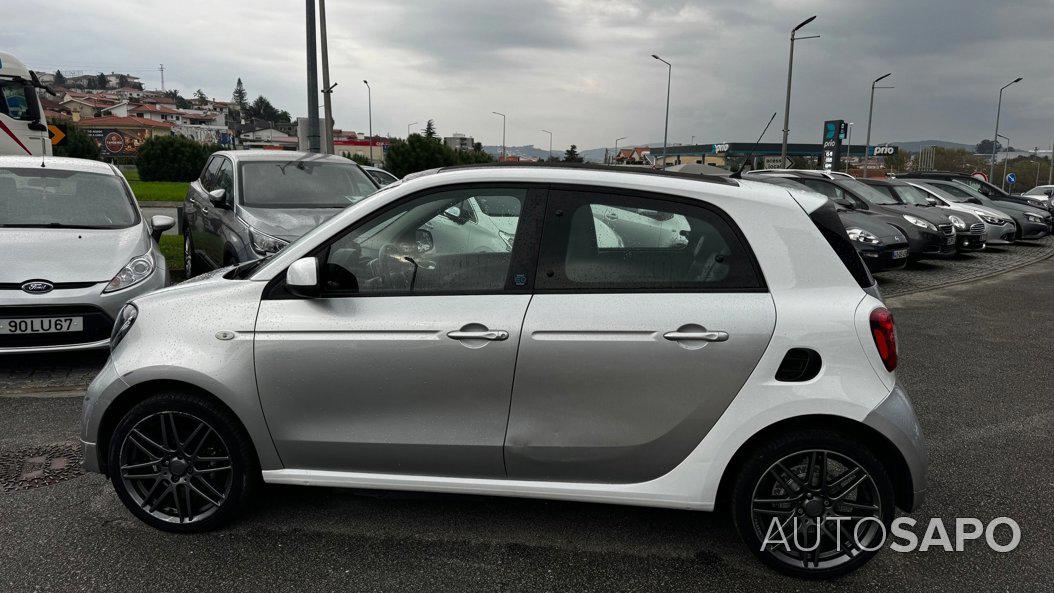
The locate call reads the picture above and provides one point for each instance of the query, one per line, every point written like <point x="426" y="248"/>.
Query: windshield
<point x="303" y="184"/>
<point x="912" y="195"/>
<point x="867" y="193"/>
<point x="41" y="197"/>
<point x="948" y="192"/>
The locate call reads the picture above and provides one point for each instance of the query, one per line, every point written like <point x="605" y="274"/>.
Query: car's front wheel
<point x="181" y="463"/>
<point x="188" y="256"/>
<point x="813" y="503"/>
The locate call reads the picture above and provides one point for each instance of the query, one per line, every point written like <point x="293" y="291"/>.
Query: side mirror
<point x="453" y="213"/>
<point x="932" y="201"/>
<point x="423" y="241"/>
<point x="218" y="197"/>
<point x="974" y="201"/>
<point x="37" y="126"/>
<point x="159" y="223"/>
<point x="302" y="277"/>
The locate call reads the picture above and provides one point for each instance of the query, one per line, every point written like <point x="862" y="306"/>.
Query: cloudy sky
<point x="582" y="68"/>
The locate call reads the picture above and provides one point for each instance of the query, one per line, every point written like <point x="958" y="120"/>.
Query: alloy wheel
<point x="176" y="467"/>
<point x="188" y="256"/>
<point x="825" y="504"/>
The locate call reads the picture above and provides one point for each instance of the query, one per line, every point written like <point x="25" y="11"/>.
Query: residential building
<point x="459" y="141"/>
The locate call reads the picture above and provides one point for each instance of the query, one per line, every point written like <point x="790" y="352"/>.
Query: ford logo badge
<point x="37" y="287"/>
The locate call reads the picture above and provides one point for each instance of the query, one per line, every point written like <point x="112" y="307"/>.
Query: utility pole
<point x="162" y="69"/>
<point x="502" y="134"/>
<point x="995" y="137"/>
<point x="327" y="90"/>
<point x="870" y="112"/>
<point x="314" y="144"/>
<point x="1006" y="157"/>
<point x="1050" y="172"/>
<point x="790" y="71"/>
<point x="666" y="126"/>
<point x="369" y="107"/>
<point x="550" y="145"/>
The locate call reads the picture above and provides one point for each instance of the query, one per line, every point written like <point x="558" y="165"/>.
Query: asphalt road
<point x="976" y="359"/>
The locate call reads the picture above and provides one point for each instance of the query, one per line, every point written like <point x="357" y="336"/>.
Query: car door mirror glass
<point x="218" y="197"/>
<point x="453" y="213"/>
<point x="423" y="241"/>
<point x="302" y="277"/>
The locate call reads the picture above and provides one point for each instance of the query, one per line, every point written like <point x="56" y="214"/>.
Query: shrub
<point x="172" y="158"/>
<point x="78" y="145"/>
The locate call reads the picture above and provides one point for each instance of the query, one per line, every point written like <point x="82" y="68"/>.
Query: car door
<point x="630" y="351"/>
<point x="404" y="363"/>
<point x="217" y="218"/>
<point x="198" y="204"/>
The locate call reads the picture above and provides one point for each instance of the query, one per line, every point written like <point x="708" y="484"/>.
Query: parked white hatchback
<point x="74" y="248"/>
<point x="746" y="364"/>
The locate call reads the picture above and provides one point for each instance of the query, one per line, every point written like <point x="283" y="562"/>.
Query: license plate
<point x="41" y="325"/>
<point x="949" y="241"/>
<point x="900" y="253"/>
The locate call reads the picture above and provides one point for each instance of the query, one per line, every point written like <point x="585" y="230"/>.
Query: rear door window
<point x="595" y="241"/>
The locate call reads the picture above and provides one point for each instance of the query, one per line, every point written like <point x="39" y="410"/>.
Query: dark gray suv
<point x="250" y="203"/>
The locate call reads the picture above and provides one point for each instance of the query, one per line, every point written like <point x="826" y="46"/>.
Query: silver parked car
<point x="75" y="248"/>
<point x="698" y="374"/>
<point x="999" y="227"/>
<point x="250" y="203"/>
<point x="379" y="175"/>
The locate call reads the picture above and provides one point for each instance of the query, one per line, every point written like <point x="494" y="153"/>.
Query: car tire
<point x="182" y="463"/>
<point x="771" y="486"/>
<point x="188" y="256"/>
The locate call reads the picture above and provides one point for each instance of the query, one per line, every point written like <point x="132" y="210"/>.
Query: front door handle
<point x="703" y="336"/>
<point x="494" y="335"/>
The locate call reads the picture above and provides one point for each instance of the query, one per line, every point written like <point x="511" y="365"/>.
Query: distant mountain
<point x="920" y="144"/>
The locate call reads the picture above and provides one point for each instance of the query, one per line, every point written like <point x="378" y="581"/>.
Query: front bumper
<point x="930" y="243"/>
<point x="1000" y="234"/>
<point x="964" y="242"/>
<point x="99" y="310"/>
<point x="880" y="258"/>
<point x="106" y="386"/>
<point x="1033" y="230"/>
<point x="895" y="419"/>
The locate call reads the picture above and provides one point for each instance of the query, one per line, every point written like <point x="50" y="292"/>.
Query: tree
<point x="122" y="81"/>
<point x="261" y="108"/>
<point x="200" y="97"/>
<point x="985" y="146"/>
<point x="571" y="155"/>
<point x="100" y="81"/>
<point x="419" y="153"/>
<point x="181" y="102"/>
<point x="958" y="160"/>
<point x="172" y="158"/>
<point x="477" y="147"/>
<point x="60" y="80"/>
<point x="430" y="129"/>
<point x="361" y="159"/>
<point x="240" y="97"/>
<point x="897" y="161"/>
<point x="78" y="144"/>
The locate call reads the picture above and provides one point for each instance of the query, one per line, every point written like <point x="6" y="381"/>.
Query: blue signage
<point x="1011" y="178"/>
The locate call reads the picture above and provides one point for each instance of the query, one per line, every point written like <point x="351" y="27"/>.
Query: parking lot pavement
<point x="975" y="358"/>
<point x="931" y="273"/>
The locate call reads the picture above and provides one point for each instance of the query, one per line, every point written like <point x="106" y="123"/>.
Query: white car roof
<point x="277" y="155"/>
<point x="56" y="162"/>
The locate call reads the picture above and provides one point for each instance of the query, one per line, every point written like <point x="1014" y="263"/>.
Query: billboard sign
<point x="883" y="151"/>
<point x="833" y="133"/>
<point x="114" y="143"/>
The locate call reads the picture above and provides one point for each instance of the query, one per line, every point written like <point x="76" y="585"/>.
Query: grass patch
<point x="172" y="247"/>
<point x="156" y="191"/>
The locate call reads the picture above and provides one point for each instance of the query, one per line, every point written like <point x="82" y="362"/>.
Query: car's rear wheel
<point x="181" y="463"/>
<point x="813" y="503"/>
<point x="188" y="256"/>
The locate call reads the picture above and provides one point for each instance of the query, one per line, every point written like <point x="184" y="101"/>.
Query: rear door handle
<point x="494" y="335"/>
<point x="706" y="336"/>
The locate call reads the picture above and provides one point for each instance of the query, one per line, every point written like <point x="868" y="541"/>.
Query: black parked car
<point x="1032" y="223"/>
<point x="926" y="238"/>
<point x="981" y="186"/>
<point x="969" y="229"/>
<point x="881" y="245"/>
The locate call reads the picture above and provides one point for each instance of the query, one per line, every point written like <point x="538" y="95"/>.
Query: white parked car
<point x="743" y="364"/>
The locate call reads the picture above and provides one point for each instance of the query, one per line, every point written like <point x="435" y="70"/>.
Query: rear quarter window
<point x="830" y="226"/>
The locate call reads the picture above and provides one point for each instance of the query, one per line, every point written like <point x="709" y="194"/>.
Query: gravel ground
<point x="975" y="358"/>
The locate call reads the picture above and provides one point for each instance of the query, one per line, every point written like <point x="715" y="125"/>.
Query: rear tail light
<point x="885" y="337"/>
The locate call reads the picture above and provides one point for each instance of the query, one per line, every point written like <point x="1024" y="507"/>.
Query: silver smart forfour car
<point x="74" y="248"/>
<point x="716" y="344"/>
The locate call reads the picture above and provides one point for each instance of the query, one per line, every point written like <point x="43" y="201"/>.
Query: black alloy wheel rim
<point x="176" y="467"/>
<point x="808" y="492"/>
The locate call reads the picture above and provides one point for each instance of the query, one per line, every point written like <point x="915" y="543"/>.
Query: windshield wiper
<point x="298" y="161"/>
<point x="52" y="225"/>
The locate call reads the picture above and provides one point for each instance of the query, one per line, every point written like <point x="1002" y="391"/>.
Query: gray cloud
<point x="583" y="68"/>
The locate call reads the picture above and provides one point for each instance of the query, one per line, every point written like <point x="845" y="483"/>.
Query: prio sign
<point x="719" y="148"/>
<point x="833" y="133"/>
<point x="883" y="150"/>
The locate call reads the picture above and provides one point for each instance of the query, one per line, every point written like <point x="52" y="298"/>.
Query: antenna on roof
<point x="43" y="146"/>
<point x="739" y="172"/>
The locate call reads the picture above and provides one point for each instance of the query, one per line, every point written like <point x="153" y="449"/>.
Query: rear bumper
<point x="895" y="419"/>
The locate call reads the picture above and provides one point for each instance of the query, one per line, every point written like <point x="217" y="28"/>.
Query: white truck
<point x="23" y="128"/>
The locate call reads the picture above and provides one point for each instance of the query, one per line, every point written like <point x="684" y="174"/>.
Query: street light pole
<point x="615" y="156"/>
<point x="849" y="148"/>
<point x="312" y="81"/>
<point x="413" y="123"/>
<point x="870" y="112"/>
<point x="995" y="137"/>
<point x="666" y="126"/>
<point x="502" y="134"/>
<point x="1050" y="172"/>
<point x="550" y="145"/>
<point x="1006" y="157"/>
<point x="327" y="89"/>
<point x="369" y="108"/>
<point x="790" y="71"/>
